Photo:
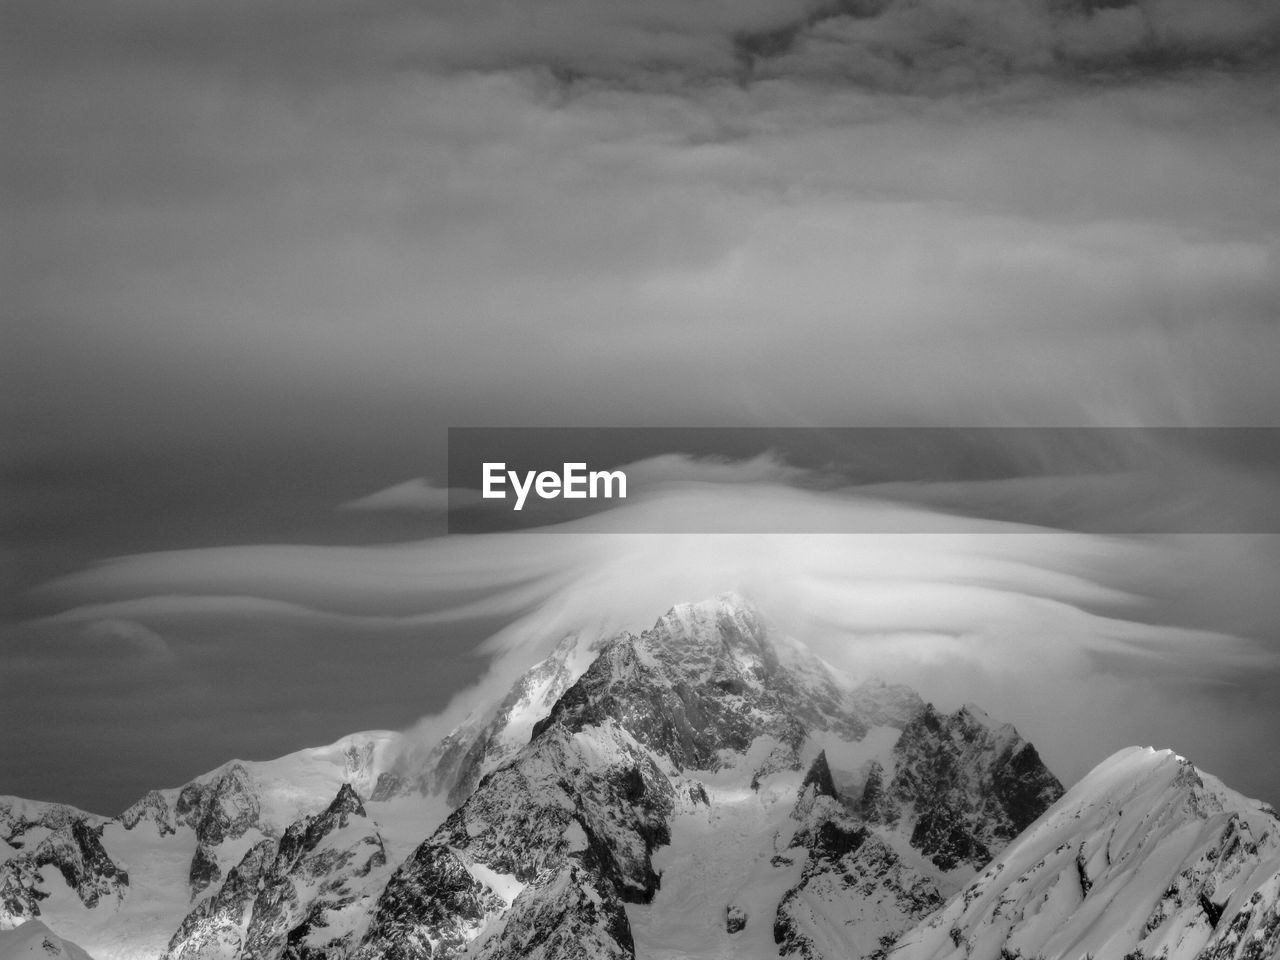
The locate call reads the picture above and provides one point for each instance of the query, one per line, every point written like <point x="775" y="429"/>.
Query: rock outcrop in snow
<point x="1146" y="857"/>
<point x="120" y="887"/>
<point x="75" y="850"/>
<point x="24" y="821"/>
<point x="709" y="691"/>
<point x="963" y="786"/>
<point x="589" y="805"/>
<point x="705" y="788"/>
<point x="493" y="734"/>
<point x="856" y="894"/>
<point x="303" y="896"/>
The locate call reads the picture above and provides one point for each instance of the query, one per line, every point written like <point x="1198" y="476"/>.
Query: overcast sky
<point x="260" y="257"/>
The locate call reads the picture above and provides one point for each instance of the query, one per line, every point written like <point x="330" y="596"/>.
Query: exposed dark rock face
<point x="75" y="850"/>
<point x="569" y="915"/>
<point x="573" y="821"/>
<point x="709" y="678"/>
<point x="584" y="805"/>
<point x="598" y="783"/>
<point x="223" y="808"/>
<point x="432" y="907"/>
<point x="873" y="805"/>
<point x="279" y="900"/>
<point x="152" y="808"/>
<point x="463" y="760"/>
<point x="561" y="831"/>
<point x="1143" y="858"/>
<point x="204" y="870"/>
<point x="587" y="791"/>
<point x="855" y="889"/>
<point x="695" y="794"/>
<point x="1252" y="934"/>
<point x="687" y="722"/>
<point x="832" y="837"/>
<point x="215" y="927"/>
<point x="819" y="777"/>
<point x="963" y="785"/>
<point x="18" y="816"/>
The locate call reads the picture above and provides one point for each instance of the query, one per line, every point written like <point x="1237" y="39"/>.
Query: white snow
<point x="35" y="940"/>
<point x="719" y="856"/>
<point x="505" y="885"/>
<point x="139" y="925"/>
<point x="404" y="822"/>
<point x="1149" y="830"/>
<point x="575" y="837"/>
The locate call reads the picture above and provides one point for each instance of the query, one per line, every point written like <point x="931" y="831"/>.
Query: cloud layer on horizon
<point x="1079" y="639"/>
<point x="319" y="229"/>
<point x="278" y="226"/>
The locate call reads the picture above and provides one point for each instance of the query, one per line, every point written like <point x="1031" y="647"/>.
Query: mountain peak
<point x="964" y="784"/>
<point x="726" y="621"/>
<point x="1146" y="856"/>
<point x="347" y="801"/>
<point x="819" y="777"/>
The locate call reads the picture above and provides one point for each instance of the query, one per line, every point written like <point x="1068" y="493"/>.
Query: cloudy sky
<point x="261" y="256"/>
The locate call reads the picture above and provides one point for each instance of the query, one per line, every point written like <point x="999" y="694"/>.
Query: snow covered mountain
<point x="120" y="886"/>
<point x="707" y="788"/>
<point x="706" y="733"/>
<point x="1145" y="857"/>
<point x="961" y="786"/>
<point x="300" y="893"/>
<point x="493" y="733"/>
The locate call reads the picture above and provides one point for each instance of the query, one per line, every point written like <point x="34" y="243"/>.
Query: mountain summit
<point x="1145" y="857"/>
<point x="705" y="788"/>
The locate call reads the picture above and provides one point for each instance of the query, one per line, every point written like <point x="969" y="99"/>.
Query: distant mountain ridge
<point x="706" y="788"/>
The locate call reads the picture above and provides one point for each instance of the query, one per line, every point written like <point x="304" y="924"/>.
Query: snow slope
<point x="661" y="810"/>
<point x="34" y="941"/>
<point x="176" y="845"/>
<point x="1145" y="857"/>
<point x="708" y="788"/>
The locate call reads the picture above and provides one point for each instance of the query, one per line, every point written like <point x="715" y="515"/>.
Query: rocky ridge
<point x="706" y="787"/>
<point x="300" y="897"/>
<point x="708" y="691"/>
<point x="75" y="850"/>
<point x="1146" y="857"/>
<point x="491" y="736"/>
<point x="962" y="787"/>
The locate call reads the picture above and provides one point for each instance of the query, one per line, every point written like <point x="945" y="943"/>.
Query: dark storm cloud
<point x="262" y="255"/>
<point x="883" y="43"/>
<point x="301" y="223"/>
<point x="937" y="46"/>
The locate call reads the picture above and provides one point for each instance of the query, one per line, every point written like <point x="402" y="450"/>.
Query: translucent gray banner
<point x="916" y="480"/>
